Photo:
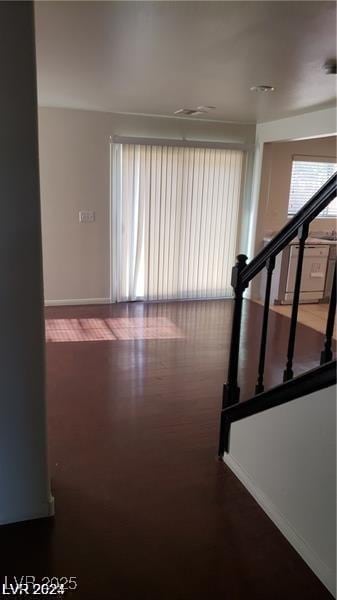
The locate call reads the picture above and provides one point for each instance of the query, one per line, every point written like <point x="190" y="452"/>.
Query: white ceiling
<point x="156" y="57"/>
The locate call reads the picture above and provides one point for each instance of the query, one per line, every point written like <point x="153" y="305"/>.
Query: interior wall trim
<point x="117" y="139"/>
<point x="76" y="301"/>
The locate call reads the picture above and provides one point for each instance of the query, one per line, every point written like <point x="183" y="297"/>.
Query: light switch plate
<point x="86" y="216"/>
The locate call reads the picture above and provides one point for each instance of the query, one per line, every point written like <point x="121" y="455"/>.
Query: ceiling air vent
<point x="330" y="66"/>
<point x="192" y="112"/>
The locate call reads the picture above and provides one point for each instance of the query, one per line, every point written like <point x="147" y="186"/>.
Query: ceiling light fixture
<point x="262" y="88"/>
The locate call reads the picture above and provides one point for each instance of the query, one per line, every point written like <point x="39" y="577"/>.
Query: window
<point x="306" y="178"/>
<point x="175" y="215"/>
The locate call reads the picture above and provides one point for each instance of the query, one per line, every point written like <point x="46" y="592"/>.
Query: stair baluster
<point x="270" y="267"/>
<point x="326" y="354"/>
<point x="302" y="236"/>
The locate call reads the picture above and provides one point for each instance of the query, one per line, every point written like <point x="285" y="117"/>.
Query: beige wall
<point x="74" y="173"/>
<point x="275" y="182"/>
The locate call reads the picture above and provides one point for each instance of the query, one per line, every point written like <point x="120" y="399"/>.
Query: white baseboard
<point x="320" y="569"/>
<point x="77" y="301"/>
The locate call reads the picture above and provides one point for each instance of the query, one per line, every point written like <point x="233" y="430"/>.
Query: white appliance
<point x="313" y="273"/>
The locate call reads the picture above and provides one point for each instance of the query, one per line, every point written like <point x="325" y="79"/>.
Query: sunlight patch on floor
<point x="95" y="330"/>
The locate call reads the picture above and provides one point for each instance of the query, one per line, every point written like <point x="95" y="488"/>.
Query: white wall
<point x="319" y="123"/>
<point x="74" y="173"/>
<point x="286" y="457"/>
<point x="24" y="482"/>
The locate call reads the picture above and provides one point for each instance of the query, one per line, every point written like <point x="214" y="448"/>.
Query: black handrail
<point x="316" y="379"/>
<point x="242" y="274"/>
<point x="306" y="214"/>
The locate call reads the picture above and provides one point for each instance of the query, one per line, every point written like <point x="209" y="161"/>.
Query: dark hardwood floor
<point x="144" y="510"/>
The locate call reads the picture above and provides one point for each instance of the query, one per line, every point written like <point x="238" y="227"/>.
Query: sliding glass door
<point x="174" y="216"/>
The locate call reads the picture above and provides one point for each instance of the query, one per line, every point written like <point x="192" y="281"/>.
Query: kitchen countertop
<point x="313" y="240"/>
<point x="310" y="240"/>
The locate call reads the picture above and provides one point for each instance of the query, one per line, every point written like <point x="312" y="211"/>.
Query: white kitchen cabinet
<point x="315" y="274"/>
<point x="314" y="267"/>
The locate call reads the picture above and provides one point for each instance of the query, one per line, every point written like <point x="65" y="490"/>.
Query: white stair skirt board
<point x="320" y="569"/>
<point x="37" y="511"/>
<point x="77" y="301"/>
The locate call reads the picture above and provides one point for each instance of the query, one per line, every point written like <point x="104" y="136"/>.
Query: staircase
<point x="291" y="387"/>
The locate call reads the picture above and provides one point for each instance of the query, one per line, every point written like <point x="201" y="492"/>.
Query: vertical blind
<point x="307" y="177"/>
<point x="175" y="216"/>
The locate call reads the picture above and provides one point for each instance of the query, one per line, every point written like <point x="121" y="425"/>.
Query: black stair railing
<point x="307" y="383"/>
<point x="242" y="274"/>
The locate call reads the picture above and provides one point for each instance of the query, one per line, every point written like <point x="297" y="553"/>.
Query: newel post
<point x="231" y="390"/>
